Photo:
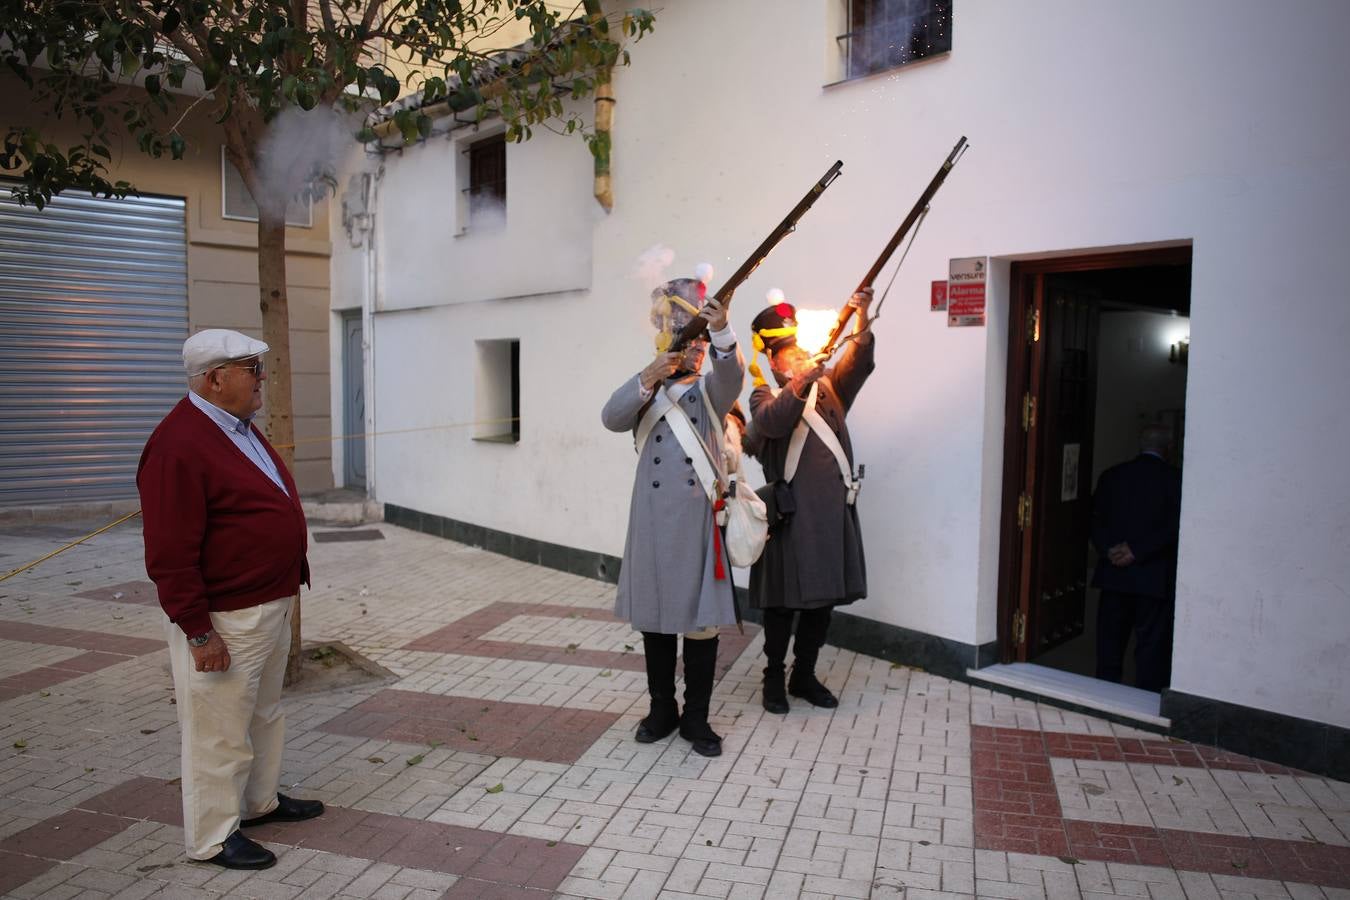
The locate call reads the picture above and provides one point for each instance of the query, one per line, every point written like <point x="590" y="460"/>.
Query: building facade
<point x="1136" y="182"/>
<point x="97" y="296"/>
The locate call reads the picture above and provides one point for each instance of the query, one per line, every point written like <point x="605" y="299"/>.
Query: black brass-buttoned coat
<point x="667" y="583"/>
<point x="815" y="559"/>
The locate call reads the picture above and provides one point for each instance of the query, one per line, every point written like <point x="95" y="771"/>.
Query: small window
<point x="884" y="34"/>
<point x="497" y="392"/>
<point x="237" y="203"/>
<point x="487" y="181"/>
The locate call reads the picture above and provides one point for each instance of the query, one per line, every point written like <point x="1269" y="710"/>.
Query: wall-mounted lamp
<point x="1180" y="351"/>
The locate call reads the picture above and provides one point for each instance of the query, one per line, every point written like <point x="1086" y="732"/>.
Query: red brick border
<point x="490" y="727"/>
<point x="1017" y="809"/>
<point x="492" y="864"/>
<point x="464" y="636"/>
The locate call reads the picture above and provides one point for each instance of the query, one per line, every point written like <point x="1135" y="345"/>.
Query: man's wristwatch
<point x="201" y="639"/>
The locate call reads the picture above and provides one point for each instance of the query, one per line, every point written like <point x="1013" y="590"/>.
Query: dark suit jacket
<point x="1138" y="502"/>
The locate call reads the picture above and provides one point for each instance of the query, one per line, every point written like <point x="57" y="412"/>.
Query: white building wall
<point x="1098" y="126"/>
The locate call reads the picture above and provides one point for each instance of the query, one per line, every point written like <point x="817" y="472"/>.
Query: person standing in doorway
<point x="225" y="544"/>
<point x="814" y="559"/>
<point x="676" y="577"/>
<point x="1136" y="512"/>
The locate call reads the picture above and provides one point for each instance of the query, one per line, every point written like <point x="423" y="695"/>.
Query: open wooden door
<point x="1052" y="480"/>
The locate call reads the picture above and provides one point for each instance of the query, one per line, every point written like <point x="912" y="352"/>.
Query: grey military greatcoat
<point x="815" y="559"/>
<point x="667" y="583"/>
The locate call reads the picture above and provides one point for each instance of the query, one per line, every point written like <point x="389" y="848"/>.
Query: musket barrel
<point x="697" y="326"/>
<point x="847" y="312"/>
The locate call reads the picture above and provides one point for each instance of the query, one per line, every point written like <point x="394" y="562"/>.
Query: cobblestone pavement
<point x="500" y="761"/>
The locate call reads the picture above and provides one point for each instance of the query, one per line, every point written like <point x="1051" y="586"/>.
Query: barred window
<point x="487" y="179"/>
<point x="884" y="34"/>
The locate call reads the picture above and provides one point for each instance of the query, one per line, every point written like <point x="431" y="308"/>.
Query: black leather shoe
<point x="805" y="686"/>
<point x="663" y="719"/>
<point x="238" y="852"/>
<point x="288" y="810"/>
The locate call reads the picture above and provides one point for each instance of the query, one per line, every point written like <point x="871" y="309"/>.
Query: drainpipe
<point x="604" y="121"/>
<point x="370" y="302"/>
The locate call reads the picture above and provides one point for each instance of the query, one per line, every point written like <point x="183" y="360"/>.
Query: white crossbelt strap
<point x="666" y="405"/>
<point x="812" y="420"/>
<point x="660" y="405"/>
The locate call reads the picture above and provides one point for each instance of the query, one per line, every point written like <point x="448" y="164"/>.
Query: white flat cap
<point x="212" y="347"/>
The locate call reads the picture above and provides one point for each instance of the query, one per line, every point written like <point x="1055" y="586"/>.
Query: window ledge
<point x="507" y="438"/>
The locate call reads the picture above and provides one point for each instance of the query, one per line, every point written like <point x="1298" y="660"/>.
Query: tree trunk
<point x="276" y="319"/>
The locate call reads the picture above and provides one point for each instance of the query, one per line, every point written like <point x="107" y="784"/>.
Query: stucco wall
<point x="1102" y="127"/>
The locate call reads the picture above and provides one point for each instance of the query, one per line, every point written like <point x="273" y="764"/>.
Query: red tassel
<point x="719" y="571"/>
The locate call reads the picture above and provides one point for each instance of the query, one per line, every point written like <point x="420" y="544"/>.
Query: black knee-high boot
<point x="700" y="669"/>
<point x="777" y="633"/>
<point x="664" y="717"/>
<point x="811" y="628"/>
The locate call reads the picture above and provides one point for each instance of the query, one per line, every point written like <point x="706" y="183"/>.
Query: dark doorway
<point x="1098" y="349"/>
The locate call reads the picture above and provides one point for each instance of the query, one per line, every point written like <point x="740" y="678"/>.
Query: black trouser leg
<point x="777" y="633"/>
<point x="700" y="670"/>
<point x="659" y="652"/>
<point x="1115" y="621"/>
<point x="812" y="625"/>
<point x="1153" y="643"/>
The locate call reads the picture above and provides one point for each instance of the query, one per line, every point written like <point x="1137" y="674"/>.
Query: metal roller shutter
<point x="93" y="314"/>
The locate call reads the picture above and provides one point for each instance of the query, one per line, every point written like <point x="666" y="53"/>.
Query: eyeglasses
<point x="257" y="368"/>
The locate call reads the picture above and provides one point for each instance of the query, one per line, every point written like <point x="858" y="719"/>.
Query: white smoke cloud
<point x="651" y="265"/>
<point x="299" y="154"/>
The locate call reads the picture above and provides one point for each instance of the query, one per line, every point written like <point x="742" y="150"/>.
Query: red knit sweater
<point x="219" y="535"/>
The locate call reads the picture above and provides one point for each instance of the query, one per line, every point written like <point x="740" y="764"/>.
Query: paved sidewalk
<point x="501" y="764"/>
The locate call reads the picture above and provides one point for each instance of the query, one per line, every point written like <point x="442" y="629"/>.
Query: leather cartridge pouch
<point x="779" y="503"/>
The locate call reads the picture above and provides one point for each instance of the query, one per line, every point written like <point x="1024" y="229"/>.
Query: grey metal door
<point x="353" y="403"/>
<point x="93" y="313"/>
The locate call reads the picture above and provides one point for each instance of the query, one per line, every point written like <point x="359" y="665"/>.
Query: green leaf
<point x="366" y="135"/>
<point x="152" y="84"/>
<point x="172" y="19"/>
<point x="304" y="98"/>
<point x="415" y="760"/>
<point x="177" y="145"/>
<point x="21" y="743"/>
<point x="131" y="64"/>
<point x="211" y="74"/>
<point x="496" y="788"/>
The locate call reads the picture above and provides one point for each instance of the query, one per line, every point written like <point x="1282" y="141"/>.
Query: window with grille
<point x="487" y="181"/>
<point x="884" y="34"/>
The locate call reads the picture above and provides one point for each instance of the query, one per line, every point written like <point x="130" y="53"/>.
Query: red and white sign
<point x="965" y="290"/>
<point x="938" y="296"/>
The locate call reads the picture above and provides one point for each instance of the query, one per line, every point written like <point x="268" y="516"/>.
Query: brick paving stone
<point x="915" y="786"/>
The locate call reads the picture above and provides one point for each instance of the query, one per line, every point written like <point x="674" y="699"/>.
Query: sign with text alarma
<point x="965" y="290"/>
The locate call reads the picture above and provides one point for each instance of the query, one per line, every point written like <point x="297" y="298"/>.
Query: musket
<point x="919" y="209"/>
<point x="698" y="326"/>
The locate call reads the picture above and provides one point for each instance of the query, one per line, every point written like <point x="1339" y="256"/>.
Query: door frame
<point x="1026" y="283"/>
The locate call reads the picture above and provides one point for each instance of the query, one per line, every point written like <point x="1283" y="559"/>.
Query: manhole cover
<point x="360" y="534"/>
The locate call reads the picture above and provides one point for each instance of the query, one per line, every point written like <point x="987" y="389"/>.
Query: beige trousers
<point x="231" y="722"/>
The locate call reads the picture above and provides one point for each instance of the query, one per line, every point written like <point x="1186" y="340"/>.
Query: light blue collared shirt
<point x="243" y="437"/>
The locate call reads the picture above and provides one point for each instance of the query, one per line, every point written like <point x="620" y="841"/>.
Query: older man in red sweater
<point x="225" y="544"/>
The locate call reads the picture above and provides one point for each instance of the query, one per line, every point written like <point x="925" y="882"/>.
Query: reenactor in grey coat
<point x="813" y="560"/>
<point x="676" y="578"/>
